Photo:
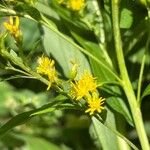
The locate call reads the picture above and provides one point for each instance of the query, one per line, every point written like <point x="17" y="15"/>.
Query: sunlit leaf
<point x="126" y="19"/>
<point x="106" y="133"/>
<point x="146" y="91"/>
<point x="36" y="143"/>
<point x="64" y="52"/>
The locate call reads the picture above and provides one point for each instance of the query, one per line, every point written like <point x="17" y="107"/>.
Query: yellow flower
<point x="13" y="26"/>
<point x="75" y="5"/>
<point x="94" y="103"/>
<point x="47" y="68"/>
<point x="82" y="87"/>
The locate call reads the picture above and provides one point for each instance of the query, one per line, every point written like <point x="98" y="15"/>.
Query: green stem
<point x="141" y="71"/>
<point x="140" y="80"/>
<point x="135" y="109"/>
<point x="143" y="64"/>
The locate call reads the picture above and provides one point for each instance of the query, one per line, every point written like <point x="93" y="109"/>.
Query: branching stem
<point x="128" y="89"/>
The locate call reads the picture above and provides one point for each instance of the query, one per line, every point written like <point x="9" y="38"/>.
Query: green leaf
<point x="101" y="68"/>
<point x="106" y="132"/>
<point x="64" y="52"/>
<point x="67" y="16"/>
<point x="15" y="121"/>
<point x="118" y="104"/>
<point x="36" y="143"/>
<point x="50" y="109"/>
<point x="47" y="110"/>
<point x="126" y="19"/>
<point x="137" y="56"/>
<point x="137" y="34"/>
<point x="32" y="11"/>
<point x="6" y="91"/>
<point x="15" y="57"/>
<point x="47" y="10"/>
<point x="146" y="92"/>
<point x="31" y="33"/>
<point x="23" y="117"/>
<point x="103" y="135"/>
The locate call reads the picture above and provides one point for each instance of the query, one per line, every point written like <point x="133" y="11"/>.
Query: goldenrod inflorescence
<point x="74" y="5"/>
<point x="13" y="26"/>
<point x="46" y="67"/>
<point x="94" y="103"/>
<point x="85" y="88"/>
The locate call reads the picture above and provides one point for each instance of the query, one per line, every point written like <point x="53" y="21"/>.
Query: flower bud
<point x="74" y="70"/>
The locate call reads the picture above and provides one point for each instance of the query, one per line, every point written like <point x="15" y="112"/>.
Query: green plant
<point x="87" y="54"/>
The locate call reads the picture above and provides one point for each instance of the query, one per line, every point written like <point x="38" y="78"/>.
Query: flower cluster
<point x="46" y="67"/>
<point x="94" y="103"/>
<point x="85" y="88"/>
<point x="13" y="27"/>
<point x="74" y="5"/>
<point x="85" y="85"/>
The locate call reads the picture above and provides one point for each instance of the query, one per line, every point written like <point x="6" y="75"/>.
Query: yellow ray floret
<point x="13" y="26"/>
<point x="75" y="5"/>
<point x="47" y="68"/>
<point x="85" y="85"/>
<point x="95" y="104"/>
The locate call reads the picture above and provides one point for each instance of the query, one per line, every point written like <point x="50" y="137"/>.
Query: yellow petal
<point x="17" y="22"/>
<point x="49" y="85"/>
<point x="11" y="20"/>
<point x="7" y="26"/>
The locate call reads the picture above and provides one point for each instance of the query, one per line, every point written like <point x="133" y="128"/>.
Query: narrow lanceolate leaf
<point x="102" y="135"/>
<point x="47" y="10"/>
<point x="35" y="143"/>
<point x="118" y="104"/>
<point x="23" y="117"/>
<point x="15" y="121"/>
<point x="106" y="133"/>
<point x="46" y="110"/>
<point x="146" y="91"/>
